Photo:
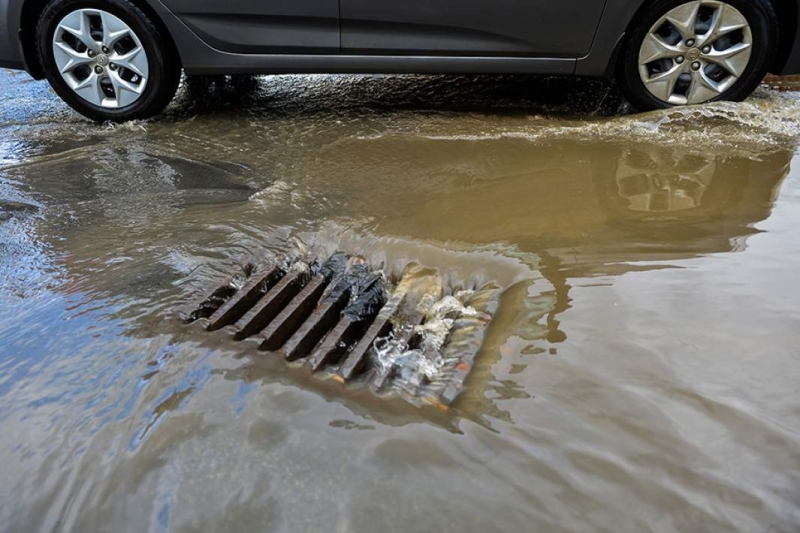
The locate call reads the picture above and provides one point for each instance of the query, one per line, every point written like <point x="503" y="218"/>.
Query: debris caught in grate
<point x="349" y="322"/>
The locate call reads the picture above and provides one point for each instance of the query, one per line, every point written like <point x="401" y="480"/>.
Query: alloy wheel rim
<point x="100" y="58"/>
<point x="695" y="52"/>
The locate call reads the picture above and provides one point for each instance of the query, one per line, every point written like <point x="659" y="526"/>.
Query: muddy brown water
<point x="642" y="372"/>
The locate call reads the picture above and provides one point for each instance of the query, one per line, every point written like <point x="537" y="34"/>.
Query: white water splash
<point x="766" y="118"/>
<point x="424" y="362"/>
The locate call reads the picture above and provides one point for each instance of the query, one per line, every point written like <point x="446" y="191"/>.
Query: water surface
<point x="641" y="372"/>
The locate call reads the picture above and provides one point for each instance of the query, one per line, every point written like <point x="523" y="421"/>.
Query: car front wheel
<point x="679" y="53"/>
<point x="107" y="60"/>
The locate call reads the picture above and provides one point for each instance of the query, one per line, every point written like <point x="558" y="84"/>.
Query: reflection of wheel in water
<point x="663" y="181"/>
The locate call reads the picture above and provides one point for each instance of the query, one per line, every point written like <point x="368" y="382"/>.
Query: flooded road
<point x="641" y="372"/>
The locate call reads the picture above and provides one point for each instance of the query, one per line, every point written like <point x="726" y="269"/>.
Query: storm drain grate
<point x="349" y="322"/>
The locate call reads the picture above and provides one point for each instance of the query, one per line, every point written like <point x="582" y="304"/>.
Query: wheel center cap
<point x="102" y="60"/>
<point x="693" y="54"/>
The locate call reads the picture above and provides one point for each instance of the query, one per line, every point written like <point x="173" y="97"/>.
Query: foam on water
<point x="425" y="361"/>
<point x="767" y="118"/>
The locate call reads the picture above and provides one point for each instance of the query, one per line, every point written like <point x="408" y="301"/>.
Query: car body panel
<point x="534" y="28"/>
<point x="218" y="63"/>
<point x="263" y="27"/>
<point x="615" y="19"/>
<point x="792" y="64"/>
<point x="10" y="49"/>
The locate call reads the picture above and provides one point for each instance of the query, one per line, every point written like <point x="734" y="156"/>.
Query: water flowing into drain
<point x="349" y="322"/>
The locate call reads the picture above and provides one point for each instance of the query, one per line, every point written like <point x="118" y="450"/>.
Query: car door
<point x="543" y="28"/>
<point x="263" y="26"/>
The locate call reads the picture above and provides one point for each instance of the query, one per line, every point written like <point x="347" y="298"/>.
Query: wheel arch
<point x="787" y="31"/>
<point x="29" y="18"/>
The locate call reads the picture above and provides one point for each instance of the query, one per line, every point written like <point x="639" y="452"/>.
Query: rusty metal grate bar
<point x="293" y="315"/>
<point x="310" y="332"/>
<point x="332" y="316"/>
<point x="244" y="299"/>
<point x="271" y="304"/>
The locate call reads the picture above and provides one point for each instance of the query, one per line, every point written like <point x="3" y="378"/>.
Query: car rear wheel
<point x="684" y="53"/>
<point x="107" y="60"/>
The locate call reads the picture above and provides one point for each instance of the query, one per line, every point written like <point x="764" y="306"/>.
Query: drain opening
<point x="349" y="322"/>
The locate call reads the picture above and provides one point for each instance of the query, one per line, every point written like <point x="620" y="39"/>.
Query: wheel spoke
<point x="135" y="61"/>
<point x="662" y="85"/>
<point x="684" y="18"/>
<point x="67" y="58"/>
<point x="654" y="48"/>
<point x="77" y="25"/>
<point x="702" y="88"/>
<point x="113" y="29"/>
<point x="724" y="21"/>
<point x="90" y="89"/>
<point x="733" y="59"/>
<point x="126" y="92"/>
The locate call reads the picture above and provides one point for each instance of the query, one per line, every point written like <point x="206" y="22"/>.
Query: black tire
<point x="164" y="64"/>
<point x="763" y="23"/>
